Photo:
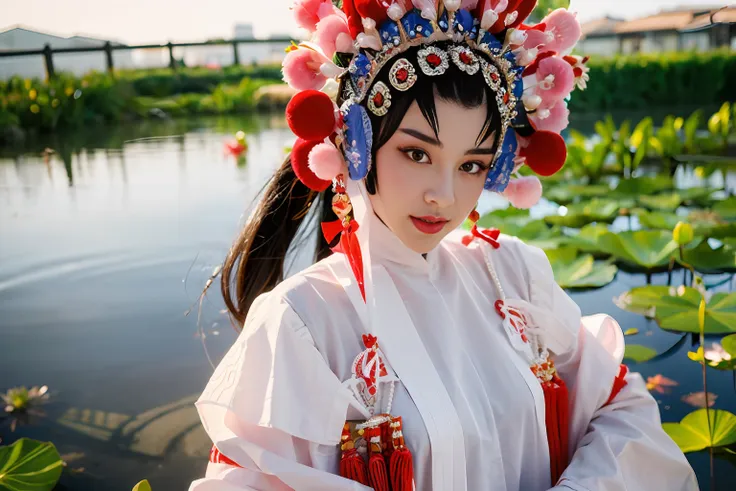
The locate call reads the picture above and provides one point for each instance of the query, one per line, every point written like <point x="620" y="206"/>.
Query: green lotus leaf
<point x="639" y="353"/>
<point x="509" y="220"/>
<point x="729" y="344"/>
<point x="644" y="186"/>
<point x="581" y="214"/>
<point x="573" y="271"/>
<point x="726" y="208"/>
<point x="698" y="196"/>
<point x="691" y="434"/>
<point x="706" y="259"/>
<point x="677" y="309"/>
<point x="647" y="249"/>
<point x="565" y="194"/>
<point x="29" y="464"/>
<point x="666" y="202"/>
<point x="658" y="220"/>
<point x="586" y="239"/>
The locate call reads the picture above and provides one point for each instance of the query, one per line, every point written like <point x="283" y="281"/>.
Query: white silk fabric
<point x="473" y="413"/>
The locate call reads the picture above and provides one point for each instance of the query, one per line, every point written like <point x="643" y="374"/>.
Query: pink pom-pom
<point x="536" y="39"/>
<point x="301" y="69"/>
<point x="561" y="82"/>
<point x="524" y="192"/>
<point x="556" y="121"/>
<point x="328" y="31"/>
<point x="306" y="13"/>
<point x="326" y="161"/>
<point x="565" y="27"/>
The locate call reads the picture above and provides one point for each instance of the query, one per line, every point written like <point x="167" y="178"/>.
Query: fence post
<point x="48" y="58"/>
<point x="172" y="60"/>
<point x="236" y="58"/>
<point x="108" y="57"/>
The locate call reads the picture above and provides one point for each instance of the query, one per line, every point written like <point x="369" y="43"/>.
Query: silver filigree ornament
<point x="433" y="61"/>
<point x="465" y="59"/>
<point x="379" y="100"/>
<point x="402" y="75"/>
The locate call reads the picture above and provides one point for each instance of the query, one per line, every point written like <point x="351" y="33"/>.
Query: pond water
<point x="106" y="243"/>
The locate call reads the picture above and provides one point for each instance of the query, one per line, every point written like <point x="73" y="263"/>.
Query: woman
<point x="413" y="357"/>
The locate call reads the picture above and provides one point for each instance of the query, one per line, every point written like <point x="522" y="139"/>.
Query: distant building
<point x="21" y="38"/>
<point x="682" y="29"/>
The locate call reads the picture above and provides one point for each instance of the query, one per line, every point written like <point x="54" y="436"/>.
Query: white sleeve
<point x="618" y="445"/>
<point x="274" y="407"/>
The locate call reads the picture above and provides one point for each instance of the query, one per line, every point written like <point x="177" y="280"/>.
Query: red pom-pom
<point x="355" y="24"/>
<point x="311" y="115"/>
<point x="546" y="153"/>
<point x="525" y="8"/>
<point x="300" y="164"/>
<point x="372" y="9"/>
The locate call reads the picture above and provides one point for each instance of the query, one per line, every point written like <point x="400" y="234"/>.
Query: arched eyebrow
<point x="434" y="141"/>
<point x="421" y="136"/>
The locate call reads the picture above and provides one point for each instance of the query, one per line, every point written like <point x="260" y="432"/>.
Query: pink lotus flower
<point x="301" y="69"/>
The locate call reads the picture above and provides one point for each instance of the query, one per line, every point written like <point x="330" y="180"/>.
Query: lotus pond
<point x="109" y="236"/>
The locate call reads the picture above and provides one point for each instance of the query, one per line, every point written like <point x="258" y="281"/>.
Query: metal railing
<point x="108" y="48"/>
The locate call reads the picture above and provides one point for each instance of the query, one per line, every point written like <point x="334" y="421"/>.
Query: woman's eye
<point x="472" y="167"/>
<point x="419" y="156"/>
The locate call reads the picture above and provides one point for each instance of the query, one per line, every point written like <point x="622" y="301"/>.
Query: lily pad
<point x="666" y="202"/>
<point x="705" y="258"/>
<point x="29" y="464"/>
<point x="648" y="249"/>
<point x="678" y="310"/>
<point x="581" y="214"/>
<point x="586" y="239"/>
<point x="643" y="186"/>
<point x="657" y="220"/>
<point x="726" y="208"/>
<point x="565" y="194"/>
<point x="508" y="220"/>
<point x="573" y="271"/>
<point x="639" y="353"/>
<point x="691" y="434"/>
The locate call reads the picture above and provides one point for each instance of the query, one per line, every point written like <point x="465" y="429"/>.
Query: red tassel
<point x="348" y="245"/>
<point x="377" y="477"/>
<point x="401" y="464"/>
<point x="557" y="421"/>
<point x="377" y="473"/>
<point x="352" y="465"/>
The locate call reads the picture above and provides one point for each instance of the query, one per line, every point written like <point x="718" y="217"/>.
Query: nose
<point x="441" y="191"/>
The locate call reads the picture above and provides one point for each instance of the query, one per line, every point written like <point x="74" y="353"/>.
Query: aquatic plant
<point x="29" y="464"/>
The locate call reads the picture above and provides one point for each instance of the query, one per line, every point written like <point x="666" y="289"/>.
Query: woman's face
<point x="428" y="184"/>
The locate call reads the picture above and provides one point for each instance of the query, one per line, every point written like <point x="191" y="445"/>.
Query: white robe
<point x="473" y="412"/>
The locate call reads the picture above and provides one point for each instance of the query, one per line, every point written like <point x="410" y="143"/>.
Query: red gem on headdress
<point x="506" y="98"/>
<point x="402" y="75"/>
<point x="465" y="58"/>
<point x="434" y="60"/>
<point x="494" y="76"/>
<point x="378" y="99"/>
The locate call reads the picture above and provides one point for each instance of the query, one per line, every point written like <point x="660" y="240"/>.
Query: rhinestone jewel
<point x="433" y="61"/>
<point x="465" y="59"/>
<point x="379" y="100"/>
<point x="402" y="75"/>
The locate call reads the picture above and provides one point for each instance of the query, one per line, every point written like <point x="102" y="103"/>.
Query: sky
<point x="159" y="21"/>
